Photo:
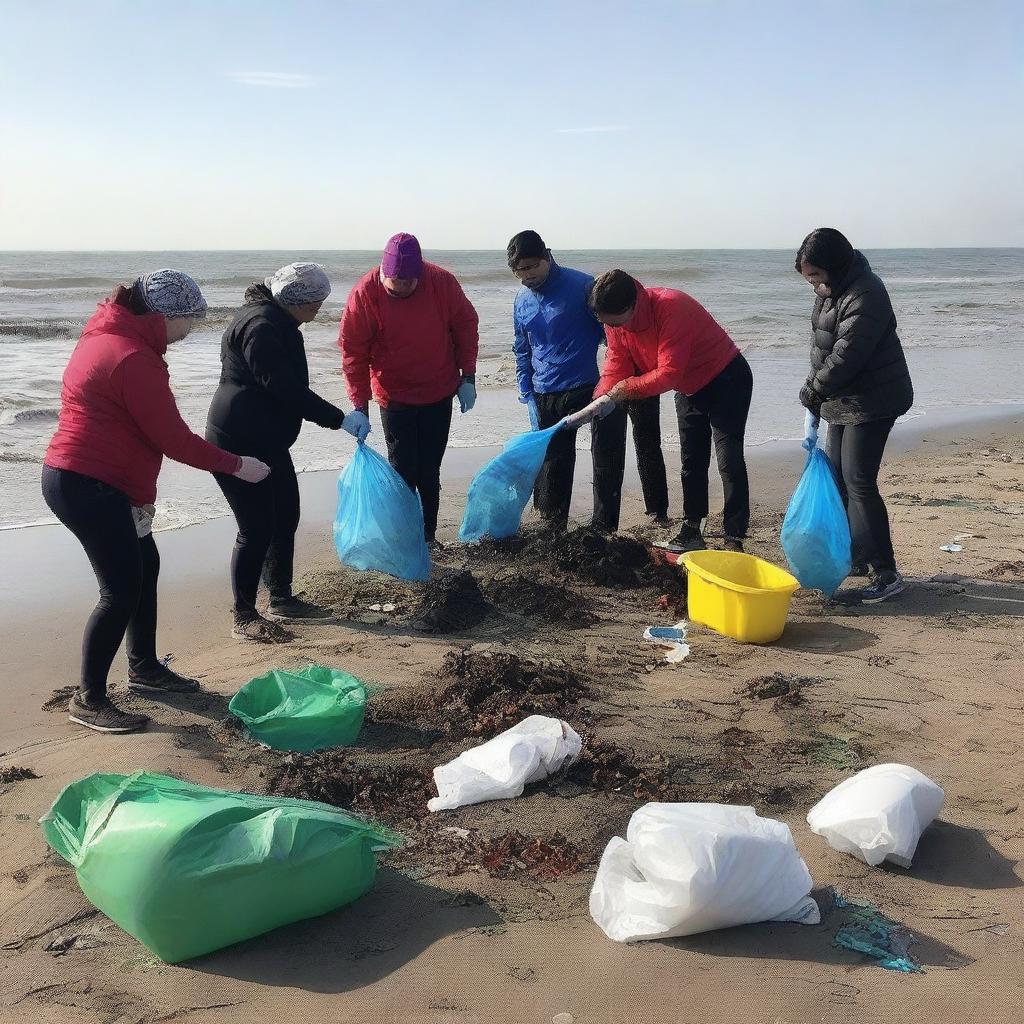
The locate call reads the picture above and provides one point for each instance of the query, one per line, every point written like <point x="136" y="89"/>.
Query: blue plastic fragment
<point x="877" y="936"/>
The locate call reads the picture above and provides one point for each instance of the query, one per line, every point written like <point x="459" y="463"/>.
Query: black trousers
<point x="553" y="492"/>
<point x="126" y="568"/>
<point x="718" y="412"/>
<point x="267" y="514"/>
<point x="417" y="438"/>
<point x="856" y="453"/>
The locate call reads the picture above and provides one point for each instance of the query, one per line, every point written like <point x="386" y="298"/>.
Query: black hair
<point x="131" y="296"/>
<point x="527" y="245"/>
<point x="613" y="293"/>
<point x="826" y="248"/>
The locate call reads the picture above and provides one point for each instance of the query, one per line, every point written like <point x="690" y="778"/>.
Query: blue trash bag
<point x="816" y="531"/>
<point x="500" y="491"/>
<point x="379" y="524"/>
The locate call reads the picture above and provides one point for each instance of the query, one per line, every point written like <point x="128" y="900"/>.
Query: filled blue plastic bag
<point x="816" y="531"/>
<point x="500" y="491"/>
<point x="379" y="524"/>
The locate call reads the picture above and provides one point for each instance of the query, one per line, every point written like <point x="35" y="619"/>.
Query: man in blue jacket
<point x="556" y="343"/>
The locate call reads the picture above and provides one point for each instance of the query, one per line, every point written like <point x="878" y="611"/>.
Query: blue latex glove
<point x="357" y="423"/>
<point x="811" y="424"/>
<point x="466" y="395"/>
<point x="531" y="408"/>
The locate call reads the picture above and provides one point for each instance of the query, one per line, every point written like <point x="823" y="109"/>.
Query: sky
<point x="216" y="124"/>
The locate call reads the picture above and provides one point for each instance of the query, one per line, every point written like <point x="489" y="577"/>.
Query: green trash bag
<point x="310" y="709"/>
<point x="188" y="870"/>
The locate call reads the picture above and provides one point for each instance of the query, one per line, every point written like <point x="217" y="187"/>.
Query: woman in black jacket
<point x="859" y="383"/>
<point x="258" y="410"/>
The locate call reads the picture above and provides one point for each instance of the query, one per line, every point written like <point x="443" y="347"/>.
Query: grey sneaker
<point x="103" y="716"/>
<point x="689" y="538"/>
<point x="261" y="631"/>
<point x="882" y="587"/>
<point x="160" y="680"/>
<point x="295" y="608"/>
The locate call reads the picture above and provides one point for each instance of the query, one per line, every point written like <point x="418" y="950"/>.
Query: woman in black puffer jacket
<point x="859" y="383"/>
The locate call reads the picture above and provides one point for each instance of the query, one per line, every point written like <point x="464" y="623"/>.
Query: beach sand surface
<point x="483" y="916"/>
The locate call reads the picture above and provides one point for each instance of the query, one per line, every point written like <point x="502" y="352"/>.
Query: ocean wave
<point x="17" y="458"/>
<point x="41" y="328"/>
<point x="13" y="416"/>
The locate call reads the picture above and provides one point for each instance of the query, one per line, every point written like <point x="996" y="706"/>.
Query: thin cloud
<point x="596" y="129"/>
<point x="271" y="79"/>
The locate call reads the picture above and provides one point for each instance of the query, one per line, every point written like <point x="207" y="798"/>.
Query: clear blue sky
<point x="696" y="123"/>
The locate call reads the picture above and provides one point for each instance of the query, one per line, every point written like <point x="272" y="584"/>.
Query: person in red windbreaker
<point x="118" y="419"/>
<point x="409" y="337"/>
<point x="659" y="340"/>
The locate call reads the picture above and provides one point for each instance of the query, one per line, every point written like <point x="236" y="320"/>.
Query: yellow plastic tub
<point x="738" y="595"/>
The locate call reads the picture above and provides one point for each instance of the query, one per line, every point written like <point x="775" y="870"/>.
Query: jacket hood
<point x="858" y="267"/>
<point x="148" y="328"/>
<point x="643" y="315"/>
<point x="257" y="293"/>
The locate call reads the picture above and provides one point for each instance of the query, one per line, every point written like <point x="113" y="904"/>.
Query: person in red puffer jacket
<point x="659" y="340"/>
<point x="410" y="336"/>
<point x="118" y="419"/>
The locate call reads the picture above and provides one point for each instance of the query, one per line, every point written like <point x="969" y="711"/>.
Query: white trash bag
<point x="500" y="768"/>
<point x="689" y="868"/>
<point x="878" y="814"/>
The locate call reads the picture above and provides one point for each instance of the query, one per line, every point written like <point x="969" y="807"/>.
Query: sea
<point x="960" y="314"/>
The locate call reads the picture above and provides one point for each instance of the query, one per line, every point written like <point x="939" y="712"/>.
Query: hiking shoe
<point x="260" y="630"/>
<point x="884" y="586"/>
<point x="859" y="570"/>
<point x="160" y="679"/>
<point x="103" y="716"/>
<point x="732" y="544"/>
<point x="295" y="608"/>
<point x="659" y="519"/>
<point x="689" y="538"/>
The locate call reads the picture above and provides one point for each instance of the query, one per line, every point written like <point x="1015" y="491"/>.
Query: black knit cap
<point x="527" y="245"/>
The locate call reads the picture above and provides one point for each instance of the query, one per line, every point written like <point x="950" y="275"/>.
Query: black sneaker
<point x="659" y="519"/>
<point x="296" y="609"/>
<point x="261" y="631"/>
<point x="689" y="538"/>
<point x="162" y="680"/>
<point x="732" y="544"/>
<point x="103" y="716"/>
<point x="859" y="570"/>
<point x="884" y="586"/>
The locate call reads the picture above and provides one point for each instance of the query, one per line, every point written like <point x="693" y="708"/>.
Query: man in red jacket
<point x="409" y="336"/>
<point x="659" y="340"/>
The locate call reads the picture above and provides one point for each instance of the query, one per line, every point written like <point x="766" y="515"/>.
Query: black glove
<point x="810" y="399"/>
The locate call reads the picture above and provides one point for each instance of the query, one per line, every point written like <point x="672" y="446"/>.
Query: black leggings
<point x="717" y="413"/>
<point x="417" y="438"/>
<point x="267" y="514"/>
<point x="856" y="453"/>
<point x="126" y="568"/>
<point x="553" y="493"/>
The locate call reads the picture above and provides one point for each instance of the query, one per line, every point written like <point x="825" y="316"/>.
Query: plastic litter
<point x="961" y="537"/>
<point x="689" y="868"/>
<point x="187" y="870"/>
<point x="878" y="814"/>
<point x="953" y="549"/>
<point x="816" y="531"/>
<point x="671" y="637"/>
<point x="379" y="523"/>
<point x="309" y="709"/>
<point x="502" y="767"/>
<point x="872" y="933"/>
<point x="500" y="491"/>
<point x="811" y="425"/>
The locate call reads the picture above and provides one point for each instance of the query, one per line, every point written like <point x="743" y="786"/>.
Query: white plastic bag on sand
<point x="673" y="638"/>
<point x="499" y="769"/>
<point x="688" y="868"/>
<point x="878" y="814"/>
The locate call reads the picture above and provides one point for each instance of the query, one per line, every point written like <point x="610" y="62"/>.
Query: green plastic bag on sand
<point x="309" y="709"/>
<point x="188" y="870"/>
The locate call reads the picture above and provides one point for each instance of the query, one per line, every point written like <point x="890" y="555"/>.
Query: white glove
<point x="252" y="471"/>
<point x="597" y="409"/>
<point x="466" y="395"/>
<point x="143" y="516"/>
<point x="357" y="423"/>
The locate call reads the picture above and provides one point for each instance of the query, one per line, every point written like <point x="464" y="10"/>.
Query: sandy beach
<point x="483" y="916"/>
